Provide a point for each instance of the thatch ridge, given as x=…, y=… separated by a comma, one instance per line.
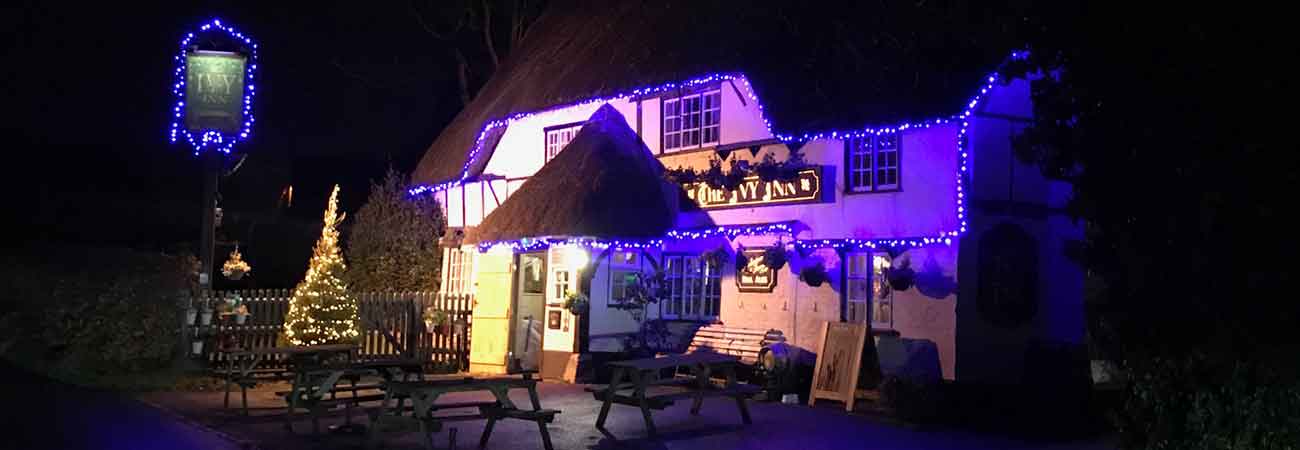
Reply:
x=891, y=63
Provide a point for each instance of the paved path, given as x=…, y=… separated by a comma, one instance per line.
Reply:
x=776, y=426
x=39, y=413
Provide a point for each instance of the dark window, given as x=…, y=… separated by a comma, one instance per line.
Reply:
x=1008, y=276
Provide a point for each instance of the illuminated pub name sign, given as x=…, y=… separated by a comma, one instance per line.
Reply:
x=214, y=91
x=806, y=187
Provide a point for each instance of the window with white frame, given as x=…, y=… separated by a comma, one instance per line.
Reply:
x=558, y=137
x=872, y=163
x=459, y=263
x=693, y=120
x=694, y=288
x=561, y=286
x=622, y=265
x=869, y=298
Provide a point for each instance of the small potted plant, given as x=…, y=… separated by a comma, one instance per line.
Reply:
x=439, y=322
x=241, y=314
x=205, y=315
x=576, y=303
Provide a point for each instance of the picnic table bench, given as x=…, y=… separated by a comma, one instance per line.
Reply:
x=642, y=374
x=429, y=415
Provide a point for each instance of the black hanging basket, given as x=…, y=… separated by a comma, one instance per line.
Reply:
x=814, y=274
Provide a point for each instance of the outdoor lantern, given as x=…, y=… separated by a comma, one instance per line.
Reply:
x=576, y=257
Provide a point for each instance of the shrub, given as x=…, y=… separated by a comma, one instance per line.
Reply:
x=83, y=314
x=393, y=243
x=1191, y=404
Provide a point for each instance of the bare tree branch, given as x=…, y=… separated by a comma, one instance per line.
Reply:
x=487, y=34
x=462, y=76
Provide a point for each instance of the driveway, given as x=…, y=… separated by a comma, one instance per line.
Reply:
x=45, y=414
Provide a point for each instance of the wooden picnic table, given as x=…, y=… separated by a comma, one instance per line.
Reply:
x=426, y=418
x=242, y=364
x=641, y=374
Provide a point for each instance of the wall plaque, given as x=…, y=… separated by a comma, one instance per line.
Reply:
x=756, y=276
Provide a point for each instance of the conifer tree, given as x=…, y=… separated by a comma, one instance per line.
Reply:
x=321, y=310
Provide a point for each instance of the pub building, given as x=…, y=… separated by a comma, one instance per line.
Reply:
x=919, y=222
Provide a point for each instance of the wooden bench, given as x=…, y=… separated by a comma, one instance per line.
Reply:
x=744, y=343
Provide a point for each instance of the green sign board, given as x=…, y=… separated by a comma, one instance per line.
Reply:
x=214, y=91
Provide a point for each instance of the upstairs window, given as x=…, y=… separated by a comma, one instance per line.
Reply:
x=692, y=121
x=872, y=163
x=559, y=136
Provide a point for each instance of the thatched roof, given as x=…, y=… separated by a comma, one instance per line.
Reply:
x=604, y=184
x=815, y=68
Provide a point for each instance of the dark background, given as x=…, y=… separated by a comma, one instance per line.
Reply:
x=344, y=92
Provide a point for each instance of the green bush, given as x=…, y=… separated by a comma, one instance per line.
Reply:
x=85, y=315
x=1193, y=404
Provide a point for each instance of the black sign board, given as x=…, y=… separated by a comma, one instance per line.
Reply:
x=756, y=276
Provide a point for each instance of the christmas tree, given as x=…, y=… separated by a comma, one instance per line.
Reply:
x=322, y=311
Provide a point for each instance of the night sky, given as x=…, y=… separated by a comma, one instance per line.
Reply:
x=344, y=91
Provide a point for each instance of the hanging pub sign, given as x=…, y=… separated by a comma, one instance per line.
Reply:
x=213, y=88
x=805, y=187
x=755, y=276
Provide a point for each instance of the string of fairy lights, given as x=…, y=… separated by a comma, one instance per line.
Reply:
x=943, y=237
x=215, y=140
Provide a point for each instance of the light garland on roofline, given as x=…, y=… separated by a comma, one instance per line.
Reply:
x=728, y=231
x=943, y=237
x=212, y=139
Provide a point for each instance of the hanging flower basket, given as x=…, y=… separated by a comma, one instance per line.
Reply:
x=774, y=257
x=716, y=257
x=235, y=268
x=814, y=274
x=577, y=303
x=901, y=277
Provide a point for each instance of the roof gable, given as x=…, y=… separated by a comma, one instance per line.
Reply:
x=604, y=184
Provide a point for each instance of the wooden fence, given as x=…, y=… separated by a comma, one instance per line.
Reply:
x=393, y=325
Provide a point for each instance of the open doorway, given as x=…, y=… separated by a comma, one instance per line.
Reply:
x=530, y=305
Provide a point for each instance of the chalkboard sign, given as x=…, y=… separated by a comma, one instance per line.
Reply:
x=839, y=357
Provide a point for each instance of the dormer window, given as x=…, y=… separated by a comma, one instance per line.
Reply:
x=692, y=121
x=559, y=136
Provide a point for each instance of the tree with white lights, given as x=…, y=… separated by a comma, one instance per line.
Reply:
x=322, y=311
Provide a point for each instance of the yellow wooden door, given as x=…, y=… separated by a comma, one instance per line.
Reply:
x=491, y=339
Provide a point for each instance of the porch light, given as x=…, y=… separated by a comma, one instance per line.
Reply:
x=576, y=257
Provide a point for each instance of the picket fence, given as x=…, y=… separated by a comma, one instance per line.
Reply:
x=400, y=314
